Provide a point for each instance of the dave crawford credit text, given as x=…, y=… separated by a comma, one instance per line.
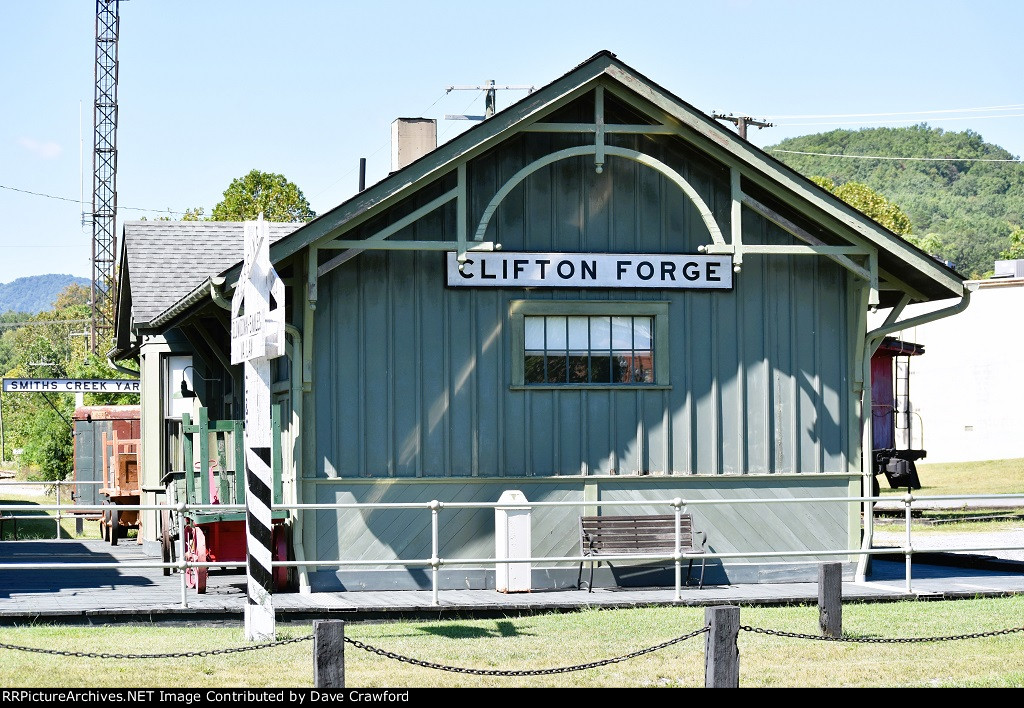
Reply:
x=663, y=271
x=204, y=696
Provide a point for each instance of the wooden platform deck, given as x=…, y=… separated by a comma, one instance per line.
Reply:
x=104, y=596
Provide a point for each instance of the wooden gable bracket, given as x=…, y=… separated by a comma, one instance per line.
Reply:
x=844, y=255
x=860, y=258
x=636, y=156
x=600, y=151
x=380, y=239
x=716, y=146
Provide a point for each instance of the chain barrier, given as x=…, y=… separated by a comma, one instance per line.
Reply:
x=524, y=672
x=167, y=655
x=879, y=640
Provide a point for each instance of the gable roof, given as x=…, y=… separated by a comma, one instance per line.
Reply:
x=928, y=277
x=924, y=274
x=163, y=262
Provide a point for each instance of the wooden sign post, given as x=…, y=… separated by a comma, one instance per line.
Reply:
x=257, y=336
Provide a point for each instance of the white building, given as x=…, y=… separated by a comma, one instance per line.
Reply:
x=967, y=390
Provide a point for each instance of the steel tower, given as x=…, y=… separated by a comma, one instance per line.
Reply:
x=104, y=175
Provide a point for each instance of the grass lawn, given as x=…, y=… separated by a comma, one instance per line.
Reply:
x=46, y=526
x=992, y=477
x=545, y=641
x=939, y=522
x=951, y=478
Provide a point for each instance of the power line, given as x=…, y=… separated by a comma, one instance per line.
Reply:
x=80, y=202
x=331, y=185
x=887, y=157
x=43, y=322
x=742, y=122
x=1008, y=107
x=903, y=120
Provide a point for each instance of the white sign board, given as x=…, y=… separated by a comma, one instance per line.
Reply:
x=662, y=271
x=259, y=331
x=72, y=385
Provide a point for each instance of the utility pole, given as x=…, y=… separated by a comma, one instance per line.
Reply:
x=490, y=100
x=742, y=122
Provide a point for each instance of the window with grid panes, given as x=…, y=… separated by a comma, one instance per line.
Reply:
x=595, y=349
x=589, y=344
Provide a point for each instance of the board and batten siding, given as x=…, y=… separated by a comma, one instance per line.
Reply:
x=413, y=378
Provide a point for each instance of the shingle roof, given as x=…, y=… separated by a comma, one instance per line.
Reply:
x=168, y=259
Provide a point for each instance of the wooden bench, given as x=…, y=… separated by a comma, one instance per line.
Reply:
x=653, y=535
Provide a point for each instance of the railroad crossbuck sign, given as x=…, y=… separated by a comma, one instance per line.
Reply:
x=257, y=336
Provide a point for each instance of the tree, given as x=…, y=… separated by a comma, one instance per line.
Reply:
x=71, y=296
x=273, y=195
x=932, y=243
x=864, y=199
x=972, y=204
x=1016, y=248
x=50, y=345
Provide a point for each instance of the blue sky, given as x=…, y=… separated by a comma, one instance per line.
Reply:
x=210, y=90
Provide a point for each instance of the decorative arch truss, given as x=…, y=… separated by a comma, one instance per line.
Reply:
x=860, y=257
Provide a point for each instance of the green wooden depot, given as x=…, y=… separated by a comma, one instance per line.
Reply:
x=648, y=307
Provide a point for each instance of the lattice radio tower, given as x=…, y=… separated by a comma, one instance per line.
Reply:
x=104, y=174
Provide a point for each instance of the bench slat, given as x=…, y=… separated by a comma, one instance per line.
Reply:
x=638, y=538
x=652, y=534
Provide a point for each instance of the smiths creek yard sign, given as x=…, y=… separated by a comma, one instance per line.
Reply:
x=72, y=385
x=662, y=271
x=257, y=336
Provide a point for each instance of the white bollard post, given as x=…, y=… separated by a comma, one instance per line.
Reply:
x=512, y=539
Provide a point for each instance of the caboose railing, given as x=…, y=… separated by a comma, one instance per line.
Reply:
x=213, y=453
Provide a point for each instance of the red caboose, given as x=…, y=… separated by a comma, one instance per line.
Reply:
x=897, y=441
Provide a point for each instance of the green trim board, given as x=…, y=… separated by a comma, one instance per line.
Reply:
x=653, y=479
x=606, y=71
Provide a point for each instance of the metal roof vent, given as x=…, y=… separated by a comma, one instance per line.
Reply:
x=1009, y=269
x=411, y=139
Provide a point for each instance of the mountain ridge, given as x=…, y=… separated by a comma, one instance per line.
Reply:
x=32, y=294
x=962, y=210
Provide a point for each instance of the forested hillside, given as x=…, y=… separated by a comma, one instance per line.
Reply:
x=961, y=210
x=49, y=344
x=35, y=293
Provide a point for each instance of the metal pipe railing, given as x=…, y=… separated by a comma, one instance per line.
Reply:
x=57, y=483
x=436, y=561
